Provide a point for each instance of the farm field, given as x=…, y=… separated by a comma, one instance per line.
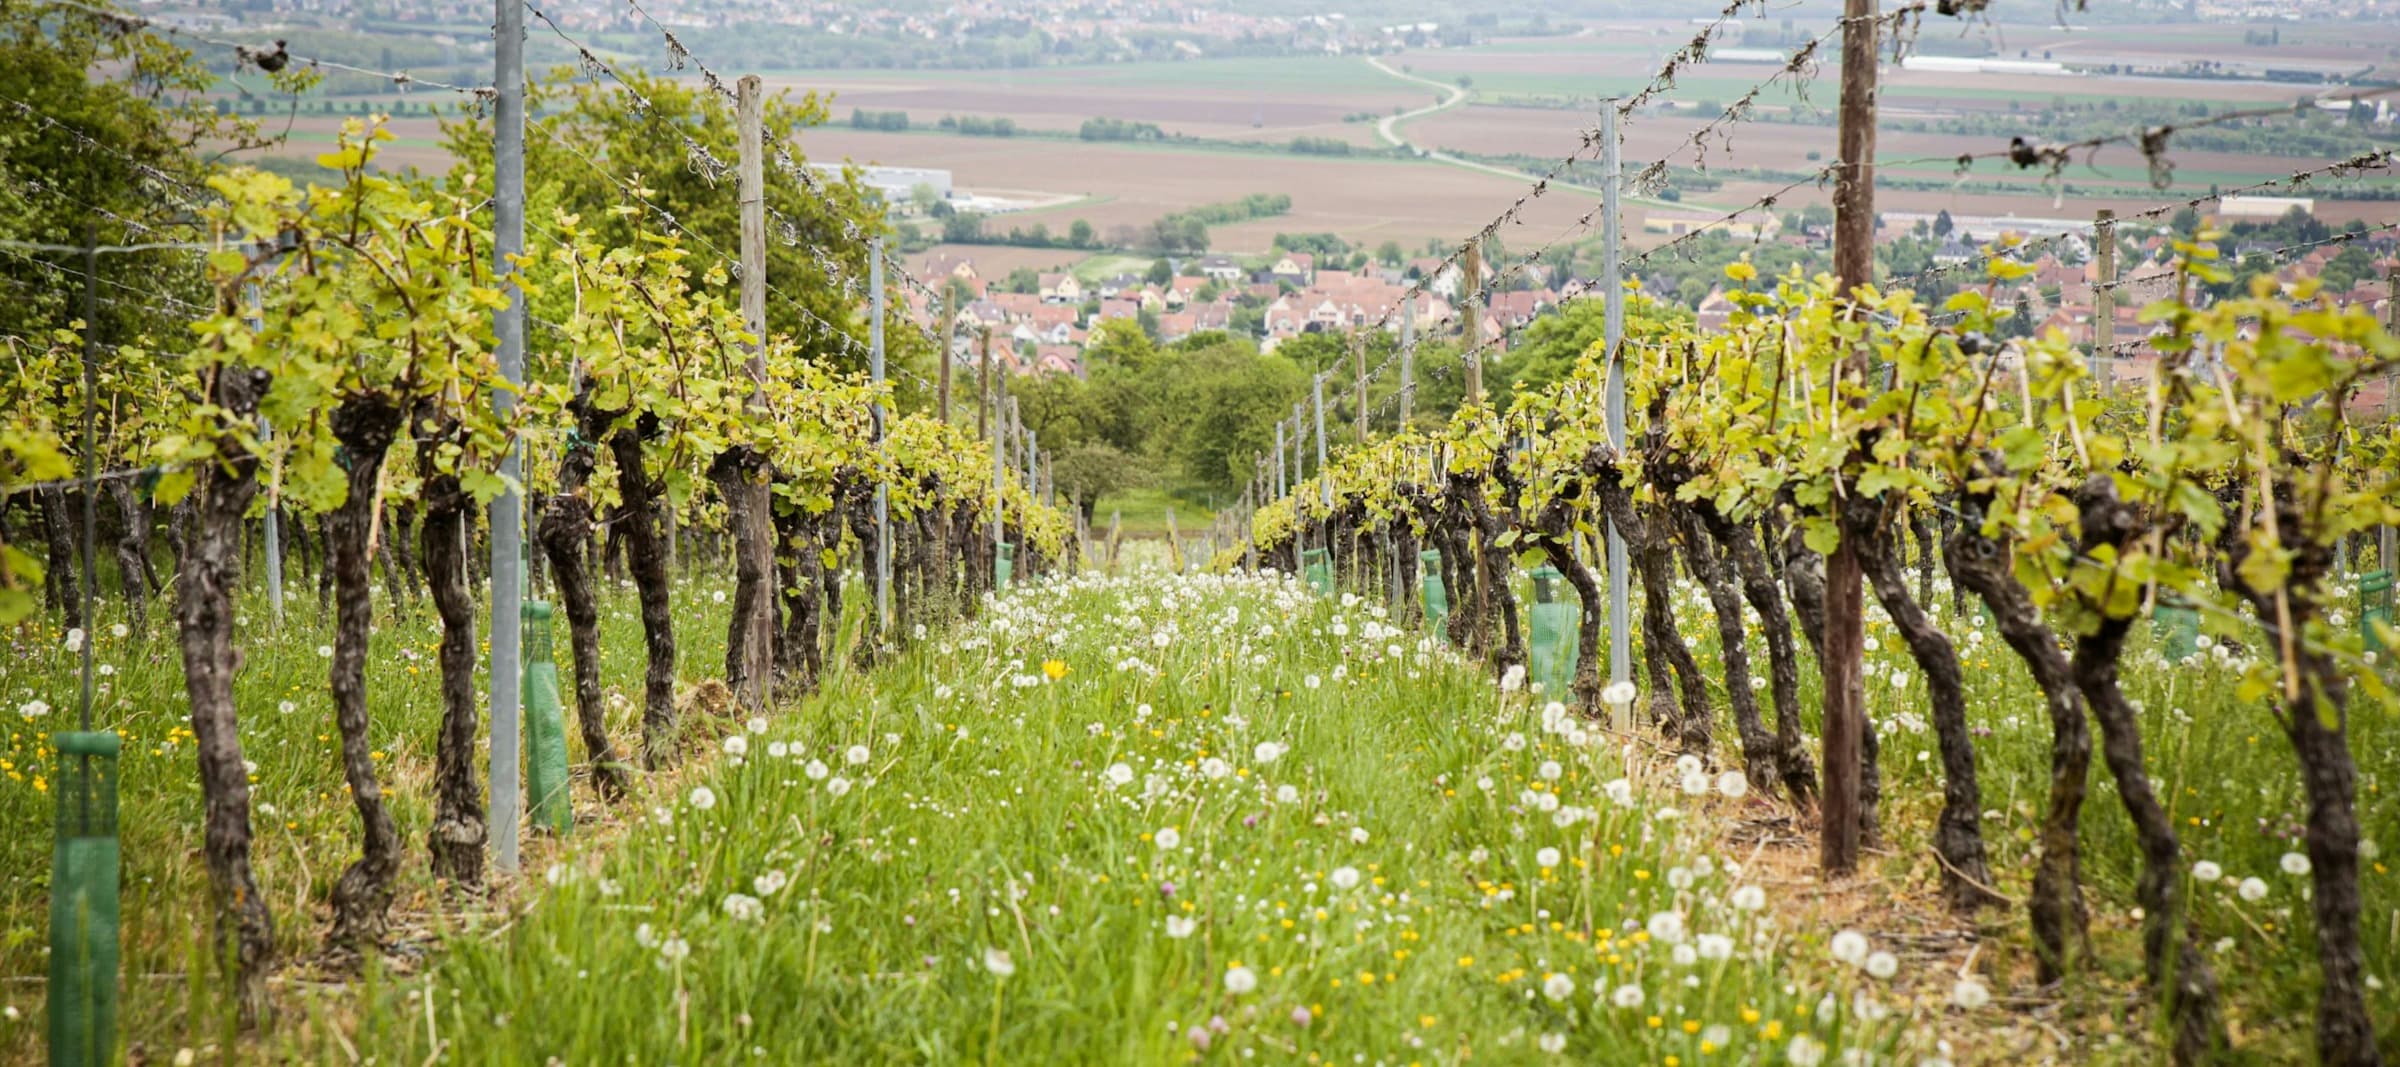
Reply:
x=1230, y=99
x=1368, y=200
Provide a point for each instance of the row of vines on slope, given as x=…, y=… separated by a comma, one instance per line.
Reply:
x=348, y=373
x=2226, y=485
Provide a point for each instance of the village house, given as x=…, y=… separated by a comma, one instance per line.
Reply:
x=1221, y=268
x=1297, y=269
x=939, y=266
x=1061, y=289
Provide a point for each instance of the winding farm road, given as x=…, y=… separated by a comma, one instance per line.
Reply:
x=1388, y=128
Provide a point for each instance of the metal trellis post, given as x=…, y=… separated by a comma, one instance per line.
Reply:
x=507, y=510
x=1612, y=291
x=883, y=498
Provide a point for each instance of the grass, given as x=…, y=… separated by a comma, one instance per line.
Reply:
x=982, y=818
x=943, y=862
x=2229, y=782
x=1144, y=512
x=303, y=824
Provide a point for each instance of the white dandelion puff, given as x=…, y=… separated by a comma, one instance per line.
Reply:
x=1240, y=980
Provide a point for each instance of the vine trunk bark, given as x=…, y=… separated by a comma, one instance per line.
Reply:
x=362, y=897
x=209, y=572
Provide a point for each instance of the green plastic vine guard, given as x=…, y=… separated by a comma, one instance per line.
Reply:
x=2176, y=626
x=2374, y=606
x=1430, y=589
x=83, y=901
x=1554, y=623
x=1005, y=567
x=1317, y=568
x=549, y=800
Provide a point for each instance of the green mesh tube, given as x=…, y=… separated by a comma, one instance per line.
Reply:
x=83, y=902
x=2176, y=626
x=1316, y=567
x=1553, y=621
x=2374, y=608
x=1432, y=592
x=547, y=795
x=1005, y=567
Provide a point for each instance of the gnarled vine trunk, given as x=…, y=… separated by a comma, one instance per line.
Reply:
x=458, y=834
x=750, y=631
x=1708, y=565
x=58, y=578
x=1792, y=762
x=362, y=898
x=2316, y=718
x=2172, y=964
x=209, y=572
x=1666, y=659
x=566, y=536
x=2056, y=907
x=1958, y=831
x=134, y=575
x=646, y=555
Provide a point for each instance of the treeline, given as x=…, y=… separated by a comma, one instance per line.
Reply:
x=1253, y=206
x=967, y=229
x=978, y=126
x=1120, y=130
x=1171, y=235
x=1320, y=146
x=1181, y=233
x=1315, y=244
x=897, y=122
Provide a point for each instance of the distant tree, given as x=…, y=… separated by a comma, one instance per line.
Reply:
x=1315, y=353
x=1088, y=470
x=1218, y=410
x=924, y=196
x=1160, y=273
x=1080, y=234
x=2348, y=267
x=1943, y=224
x=1389, y=254
x=1022, y=280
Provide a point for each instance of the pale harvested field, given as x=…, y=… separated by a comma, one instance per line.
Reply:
x=1620, y=55
x=1780, y=145
x=1061, y=99
x=1364, y=200
x=1588, y=74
